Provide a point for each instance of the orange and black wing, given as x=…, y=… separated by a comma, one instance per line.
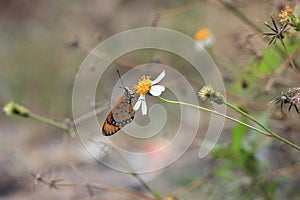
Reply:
x=121, y=115
x=108, y=129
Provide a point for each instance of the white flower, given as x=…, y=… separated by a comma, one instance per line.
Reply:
x=204, y=38
x=146, y=86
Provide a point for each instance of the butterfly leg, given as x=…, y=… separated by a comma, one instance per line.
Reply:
x=291, y=106
x=296, y=108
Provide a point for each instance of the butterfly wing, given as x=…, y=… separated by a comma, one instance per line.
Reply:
x=121, y=114
x=108, y=129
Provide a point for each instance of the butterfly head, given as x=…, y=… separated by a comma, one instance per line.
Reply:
x=128, y=94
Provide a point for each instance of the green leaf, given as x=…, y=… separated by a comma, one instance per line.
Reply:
x=270, y=61
x=224, y=172
x=271, y=189
x=157, y=194
x=220, y=151
x=238, y=134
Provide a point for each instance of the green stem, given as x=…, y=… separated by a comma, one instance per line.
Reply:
x=247, y=115
x=263, y=126
x=215, y=112
x=15, y=109
x=155, y=194
x=270, y=132
x=52, y=123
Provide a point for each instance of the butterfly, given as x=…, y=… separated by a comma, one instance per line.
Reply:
x=121, y=114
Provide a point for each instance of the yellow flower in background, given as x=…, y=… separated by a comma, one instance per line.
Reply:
x=204, y=38
x=289, y=10
x=202, y=34
x=285, y=15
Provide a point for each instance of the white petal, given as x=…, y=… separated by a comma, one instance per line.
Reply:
x=156, y=90
x=159, y=78
x=139, y=101
x=137, y=105
x=142, y=97
x=199, y=47
x=144, y=108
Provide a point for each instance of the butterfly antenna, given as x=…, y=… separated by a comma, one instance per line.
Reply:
x=120, y=78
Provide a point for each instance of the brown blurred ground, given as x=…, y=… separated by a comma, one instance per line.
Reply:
x=37, y=69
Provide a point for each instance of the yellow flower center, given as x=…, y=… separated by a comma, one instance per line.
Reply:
x=202, y=34
x=144, y=85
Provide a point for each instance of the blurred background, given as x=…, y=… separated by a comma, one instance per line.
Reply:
x=42, y=46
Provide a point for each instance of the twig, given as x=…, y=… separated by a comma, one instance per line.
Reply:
x=58, y=183
x=90, y=114
x=134, y=174
x=191, y=186
x=102, y=55
x=279, y=71
x=75, y=169
x=276, y=73
x=291, y=60
x=174, y=11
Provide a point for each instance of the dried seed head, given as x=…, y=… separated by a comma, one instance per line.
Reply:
x=13, y=108
x=292, y=98
x=207, y=92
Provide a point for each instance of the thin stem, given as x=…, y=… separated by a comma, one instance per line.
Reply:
x=290, y=60
x=134, y=174
x=89, y=184
x=280, y=70
x=270, y=132
x=240, y=15
x=247, y=115
x=12, y=108
x=173, y=11
x=215, y=112
x=145, y=185
x=119, y=190
x=192, y=185
x=276, y=73
x=52, y=123
x=263, y=126
x=99, y=186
